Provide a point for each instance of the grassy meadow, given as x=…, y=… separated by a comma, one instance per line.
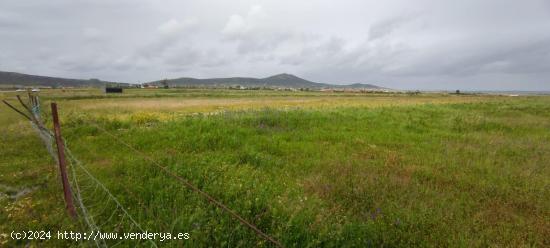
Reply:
x=311, y=169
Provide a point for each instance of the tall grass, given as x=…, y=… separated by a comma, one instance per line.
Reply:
x=445, y=175
x=464, y=174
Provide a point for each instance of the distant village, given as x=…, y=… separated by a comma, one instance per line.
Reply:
x=119, y=88
x=275, y=88
x=113, y=86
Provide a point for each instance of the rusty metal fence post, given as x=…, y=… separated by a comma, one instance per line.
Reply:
x=62, y=162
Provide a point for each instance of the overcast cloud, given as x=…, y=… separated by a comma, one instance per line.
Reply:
x=422, y=44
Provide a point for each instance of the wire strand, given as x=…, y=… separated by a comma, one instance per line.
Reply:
x=194, y=188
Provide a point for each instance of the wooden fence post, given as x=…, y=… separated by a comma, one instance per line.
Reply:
x=62, y=162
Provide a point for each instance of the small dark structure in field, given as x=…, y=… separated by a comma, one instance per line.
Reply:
x=113, y=90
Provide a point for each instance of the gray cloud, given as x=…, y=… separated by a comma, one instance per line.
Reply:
x=386, y=27
x=425, y=44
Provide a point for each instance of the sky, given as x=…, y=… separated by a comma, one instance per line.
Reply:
x=401, y=44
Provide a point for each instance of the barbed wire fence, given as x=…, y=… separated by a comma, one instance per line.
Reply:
x=98, y=209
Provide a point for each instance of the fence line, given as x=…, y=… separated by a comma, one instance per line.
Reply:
x=110, y=195
x=194, y=188
x=47, y=138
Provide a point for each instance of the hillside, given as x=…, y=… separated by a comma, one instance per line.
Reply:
x=15, y=79
x=288, y=80
x=363, y=86
x=283, y=80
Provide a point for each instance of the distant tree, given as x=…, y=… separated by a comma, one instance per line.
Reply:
x=457, y=92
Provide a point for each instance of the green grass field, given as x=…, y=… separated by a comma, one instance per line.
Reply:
x=311, y=169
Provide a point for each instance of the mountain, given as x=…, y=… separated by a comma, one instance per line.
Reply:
x=283, y=80
x=291, y=81
x=363, y=86
x=211, y=82
x=18, y=79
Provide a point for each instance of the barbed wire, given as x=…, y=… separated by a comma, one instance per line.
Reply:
x=187, y=183
x=77, y=180
x=111, y=197
x=84, y=211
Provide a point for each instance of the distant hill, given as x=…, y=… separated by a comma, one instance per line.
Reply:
x=15, y=79
x=283, y=80
x=363, y=86
x=291, y=81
